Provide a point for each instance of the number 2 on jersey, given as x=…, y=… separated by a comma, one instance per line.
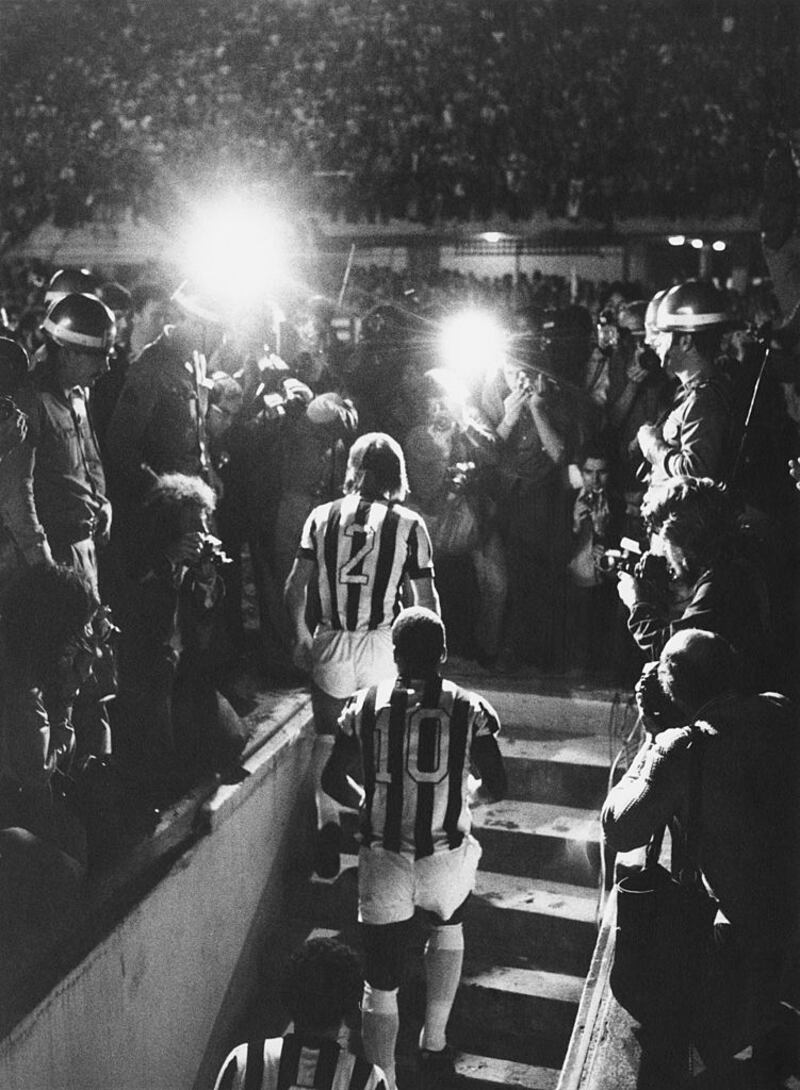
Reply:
x=347, y=574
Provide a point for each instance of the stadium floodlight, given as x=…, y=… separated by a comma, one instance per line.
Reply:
x=472, y=343
x=719, y=246
x=236, y=250
x=697, y=244
x=676, y=240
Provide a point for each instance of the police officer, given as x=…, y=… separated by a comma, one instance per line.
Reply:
x=693, y=439
x=67, y=480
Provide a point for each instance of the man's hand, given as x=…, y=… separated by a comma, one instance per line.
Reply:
x=512, y=406
x=12, y=432
x=648, y=437
x=583, y=508
x=628, y=589
x=794, y=471
x=102, y=532
x=301, y=653
x=634, y=372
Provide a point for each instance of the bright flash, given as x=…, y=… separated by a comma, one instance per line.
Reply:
x=237, y=251
x=472, y=343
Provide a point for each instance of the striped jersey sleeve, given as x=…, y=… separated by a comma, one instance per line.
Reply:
x=362, y=551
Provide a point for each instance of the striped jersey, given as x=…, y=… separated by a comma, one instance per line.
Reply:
x=416, y=756
x=362, y=550
x=283, y=1063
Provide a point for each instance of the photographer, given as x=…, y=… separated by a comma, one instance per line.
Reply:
x=533, y=407
x=449, y=459
x=698, y=575
x=596, y=629
x=639, y=392
x=697, y=709
x=171, y=725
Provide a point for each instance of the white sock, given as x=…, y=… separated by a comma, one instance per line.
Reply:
x=380, y=1022
x=443, y=960
x=327, y=808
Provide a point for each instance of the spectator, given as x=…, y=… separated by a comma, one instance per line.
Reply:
x=149, y=310
x=746, y=748
x=778, y=214
x=355, y=553
x=109, y=386
x=321, y=990
x=159, y=423
x=406, y=862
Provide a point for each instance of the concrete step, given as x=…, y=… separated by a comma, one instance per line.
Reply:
x=541, y=840
x=556, y=766
x=487, y=1073
x=533, y=923
x=568, y=712
x=522, y=1015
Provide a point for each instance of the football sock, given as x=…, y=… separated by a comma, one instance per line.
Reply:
x=380, y=1022
x=327, y=808
x=444, y=957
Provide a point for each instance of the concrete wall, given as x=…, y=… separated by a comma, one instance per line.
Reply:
x=153, y=1005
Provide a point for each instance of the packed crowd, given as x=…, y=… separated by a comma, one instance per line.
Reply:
x=374, y=111
x=165, y=463
x=596, y=478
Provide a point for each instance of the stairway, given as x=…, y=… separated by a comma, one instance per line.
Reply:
x=530, y=926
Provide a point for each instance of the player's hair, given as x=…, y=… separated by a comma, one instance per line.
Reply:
x=322, y=985
x=376, y=468
x=418, y=636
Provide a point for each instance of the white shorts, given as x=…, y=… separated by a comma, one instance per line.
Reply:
x=346, y=661
x=391, y=886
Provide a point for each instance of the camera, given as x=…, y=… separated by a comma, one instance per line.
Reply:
x=211, y=549
x=624, y=559
x=654, y=704
x=607, y=331
x=648, y=360
x=461, y=474
x=524, y=384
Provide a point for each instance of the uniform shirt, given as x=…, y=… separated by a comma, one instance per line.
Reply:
x=362, y=550
x=416, y=752
x=69, y=485
x=281, y=1063
x=697, y=432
